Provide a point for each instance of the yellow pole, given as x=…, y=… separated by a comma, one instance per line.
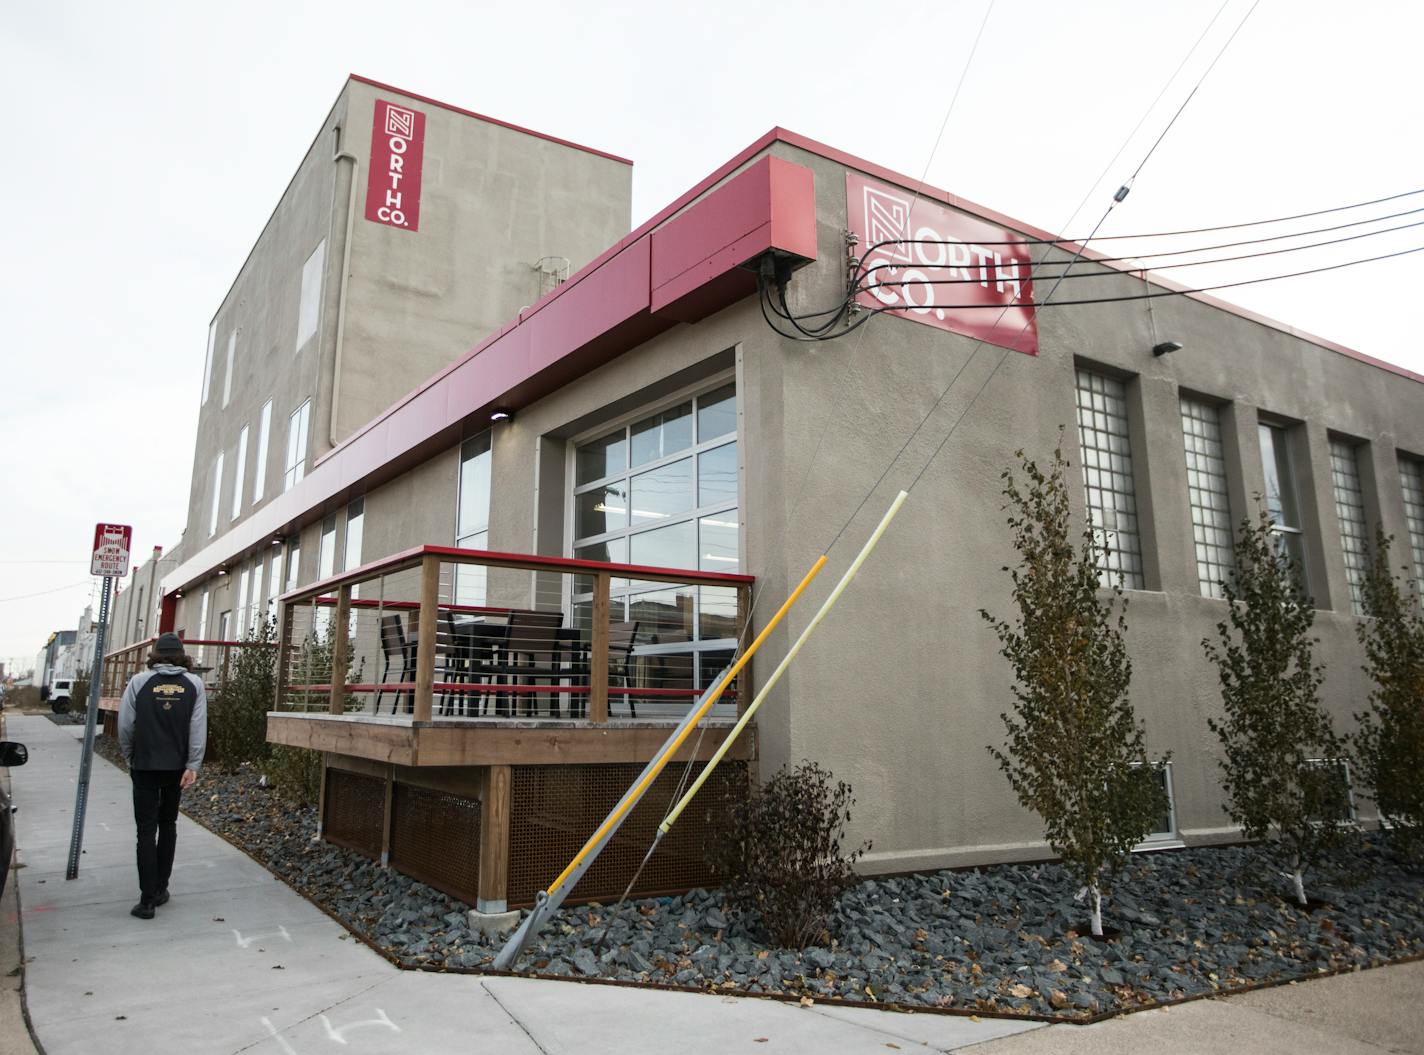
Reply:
x=781, y=667
x=616, y=816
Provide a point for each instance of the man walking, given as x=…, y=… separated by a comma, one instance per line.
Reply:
x=163, y=731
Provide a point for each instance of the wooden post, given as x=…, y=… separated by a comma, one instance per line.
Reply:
x=598, y=652
x=493, y=894
x=284, y=646
x=340, y=644
x=744, y=679
x=387, y=818
x=428, y=626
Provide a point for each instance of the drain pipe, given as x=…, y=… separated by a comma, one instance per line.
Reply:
x=342, y=155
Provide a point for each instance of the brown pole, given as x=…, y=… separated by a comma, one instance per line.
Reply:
x=493, y=894
x=340, y=644
x=427, y=627
x=598, y=652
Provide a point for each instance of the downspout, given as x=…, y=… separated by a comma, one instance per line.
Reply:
x=342, y=155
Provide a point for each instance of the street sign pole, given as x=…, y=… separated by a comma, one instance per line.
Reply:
x=110, y=558
x=81, y=794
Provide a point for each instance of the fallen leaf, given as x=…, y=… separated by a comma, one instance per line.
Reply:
x=121, y=1018
x=278, y=967
x=760, y=1040
x=1021, y=991
x=1057, y=965
x=1058, y=999
x=895, y=1046
x=219, y=919
x=806, y=1001
x=974, y=1018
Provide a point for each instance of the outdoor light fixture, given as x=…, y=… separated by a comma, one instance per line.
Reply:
x=501, y=415
x=1166, y=347
x=222, y=571
x=276, y=542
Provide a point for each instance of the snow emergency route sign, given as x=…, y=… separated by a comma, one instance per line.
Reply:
x=111, y=550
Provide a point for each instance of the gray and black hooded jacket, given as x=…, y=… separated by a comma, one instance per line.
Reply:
x=163, y=720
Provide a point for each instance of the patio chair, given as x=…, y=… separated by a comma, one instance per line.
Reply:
x=396, y=651
x=532, y=651
x=621, y=637
x=482, y=646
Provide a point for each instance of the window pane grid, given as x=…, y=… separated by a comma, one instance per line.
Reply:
x=1107, y=477
x=1350, y=509
x=1207, y=496
x=665, y=497
x=1411, y=473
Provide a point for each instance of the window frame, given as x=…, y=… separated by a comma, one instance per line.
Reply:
x=1170, y=840
x=318, y=272
x=1283, y=447
x=239, y=479
x=1411, y=488
x=216, y=513
x=1347, y=490
x=1205, y=517
x=231, y=359
x=295, y=471
x=626, y=594
x=1117, y=561
x=259, y=468
x=208, y=362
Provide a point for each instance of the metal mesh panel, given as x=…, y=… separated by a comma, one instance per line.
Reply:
x=435, y=837
x=556, y=808
x=1207, y=494
x=1350, y=509
x=355, y=809
x=1411, y=474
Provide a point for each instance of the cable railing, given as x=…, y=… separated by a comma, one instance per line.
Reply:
x=513, y=638
x=212, y=661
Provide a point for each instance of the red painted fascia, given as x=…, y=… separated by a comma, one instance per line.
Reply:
x=487, y=119
x=613, y=304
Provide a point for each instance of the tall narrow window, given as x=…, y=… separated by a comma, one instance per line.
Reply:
x=1207, y=495
x=325, y=566
x=294, y=563
x=217, y=494
x=472, y=516
x=1350, y=511
x=259, y=467
x=203, y=617
x=296, y=446
x=227, y=377
x=208, y=360
x=1411, y=475
x=1282, y=504
x=355, y=528
x=1107, y=478
x=243, y=578
x=225, y=625
x=309, y=310
x=664, y=491
x=274, y=583
x=240, y=473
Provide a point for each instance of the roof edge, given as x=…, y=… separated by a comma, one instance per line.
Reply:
x=487, y=119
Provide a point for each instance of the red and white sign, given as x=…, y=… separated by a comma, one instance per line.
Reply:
x=393, y=179
x=929, y=263
x=111, y=550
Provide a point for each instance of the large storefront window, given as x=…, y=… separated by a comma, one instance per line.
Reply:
x=662, y=491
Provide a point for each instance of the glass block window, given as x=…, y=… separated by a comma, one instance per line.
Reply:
x=1411, y=474
x=1107, y=478
x=1207, y=495
x=662, y=491
x=1350, y=511
x=1282, y=504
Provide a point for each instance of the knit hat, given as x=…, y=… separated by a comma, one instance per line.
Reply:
x=169, y=644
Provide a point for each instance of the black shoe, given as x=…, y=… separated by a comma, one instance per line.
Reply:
x=161, y=898
x=143, y=910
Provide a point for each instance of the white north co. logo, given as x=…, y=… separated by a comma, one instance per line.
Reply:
x=400, y=122
x=887, y=220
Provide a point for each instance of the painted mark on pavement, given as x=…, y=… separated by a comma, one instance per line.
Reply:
x=243, y=943
x=339, y=1035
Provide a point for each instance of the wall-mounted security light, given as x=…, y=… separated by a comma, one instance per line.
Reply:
x=501, y=415
x=276, y=542
x=222, y=571
x=1166, y=348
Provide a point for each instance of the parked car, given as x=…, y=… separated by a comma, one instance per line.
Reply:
x=11, y=754
x=59, y=695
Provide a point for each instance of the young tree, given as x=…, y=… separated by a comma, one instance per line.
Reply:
x=1075, y=751
x=1274, y=733
x=1389, y=743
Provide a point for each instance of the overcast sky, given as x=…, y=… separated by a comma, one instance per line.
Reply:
x=148, y=144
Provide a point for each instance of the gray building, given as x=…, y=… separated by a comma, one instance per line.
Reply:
x=648, y=413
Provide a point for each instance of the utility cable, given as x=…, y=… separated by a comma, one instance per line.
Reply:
x=1118, y=197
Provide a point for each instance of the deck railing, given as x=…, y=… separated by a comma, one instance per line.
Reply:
x=516, y=637
x=212, y=661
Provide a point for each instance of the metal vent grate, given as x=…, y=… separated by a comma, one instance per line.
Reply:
x=555, y=809
x=355, y=809
x=435, y=838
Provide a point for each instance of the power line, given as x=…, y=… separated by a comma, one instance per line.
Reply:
x=1139, y=256
x=42, y=593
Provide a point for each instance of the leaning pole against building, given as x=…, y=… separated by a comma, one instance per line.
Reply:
x=549, y=900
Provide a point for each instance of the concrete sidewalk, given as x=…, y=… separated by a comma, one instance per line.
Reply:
x=239, y=963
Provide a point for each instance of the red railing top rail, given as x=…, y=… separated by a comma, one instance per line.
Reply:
x=412, y=558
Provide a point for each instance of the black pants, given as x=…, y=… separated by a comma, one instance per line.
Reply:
x=155, y=800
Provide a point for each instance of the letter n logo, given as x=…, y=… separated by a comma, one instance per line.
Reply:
x=887, y=219
x=399, y=122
